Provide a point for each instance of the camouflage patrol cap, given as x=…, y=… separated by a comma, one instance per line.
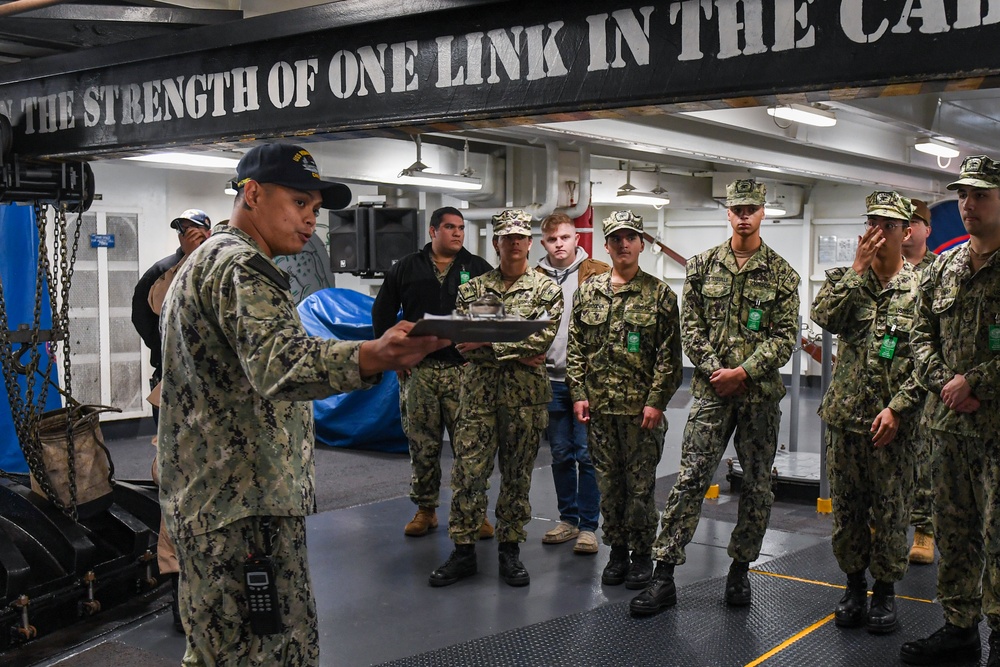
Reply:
x=745, y=192
x=622, y=220
x=921, y=211
x=889, y=205
x=978, y=171
x=512, y=221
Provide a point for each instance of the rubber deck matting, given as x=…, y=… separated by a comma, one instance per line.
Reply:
x=790, y=623
x=116, y=654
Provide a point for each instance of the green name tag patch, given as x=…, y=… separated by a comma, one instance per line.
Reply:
x=995, y=338
x=633, y=341
x=463, y=276
x=888, y=347
x=754, y=318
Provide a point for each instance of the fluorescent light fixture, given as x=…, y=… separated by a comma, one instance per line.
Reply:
x=189, y=160
x=774, y=209
x=429, y=179
x=417, y=174
x=230, y=190
x=628, y=194
x=801, y=113
x=937, y=147
x=775, y=206
x=650, y=198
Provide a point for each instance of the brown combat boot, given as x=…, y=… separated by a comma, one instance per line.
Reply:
x=486, y=530
x=423, y=520
x=922, y=551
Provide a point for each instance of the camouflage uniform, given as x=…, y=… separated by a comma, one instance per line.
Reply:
x=618, y=383
x=866, y=481
x=957, y=330
x=428, y=404
x=718, y=297
x=922, y=515
x=428, y=397
x=236, y=443
x=503, y=410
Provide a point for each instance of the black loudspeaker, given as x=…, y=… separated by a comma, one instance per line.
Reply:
x=395, y=233
x=349, y=240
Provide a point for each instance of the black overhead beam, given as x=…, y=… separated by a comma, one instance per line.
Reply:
x=348, y=67
x=181, y=16
x=69, y=36
x=251, y=30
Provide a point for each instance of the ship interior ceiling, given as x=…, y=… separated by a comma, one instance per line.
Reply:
x=871, y=144
x=689, y=148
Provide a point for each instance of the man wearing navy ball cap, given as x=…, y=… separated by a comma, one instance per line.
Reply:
x=236, y=430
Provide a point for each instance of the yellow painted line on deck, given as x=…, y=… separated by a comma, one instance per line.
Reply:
x=818, y=624
x=799, y=579
x=791, y=640
x=828, y=585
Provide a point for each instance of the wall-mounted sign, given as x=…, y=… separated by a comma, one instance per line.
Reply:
x=102, y=240
x=497, y=60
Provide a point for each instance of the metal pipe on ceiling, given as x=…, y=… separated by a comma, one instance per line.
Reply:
x=22, y=6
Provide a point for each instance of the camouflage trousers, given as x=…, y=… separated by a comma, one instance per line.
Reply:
x=625, y=457
x=428, y=404
x=213, y=602
x=511, y=436
x=966, y=473
x=706, y=435
x=922, y=515
x=870, y=484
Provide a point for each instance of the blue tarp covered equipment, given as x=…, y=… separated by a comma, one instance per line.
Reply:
x=18, y=268
x=364, y=419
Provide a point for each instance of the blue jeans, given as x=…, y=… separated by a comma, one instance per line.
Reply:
x=576, y=483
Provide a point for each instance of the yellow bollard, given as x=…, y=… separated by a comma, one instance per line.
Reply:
x=824, y=506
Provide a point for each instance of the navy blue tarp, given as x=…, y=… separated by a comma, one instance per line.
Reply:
x=18, y=266
x=364, y=419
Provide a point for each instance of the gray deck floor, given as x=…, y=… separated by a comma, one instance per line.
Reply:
x=371, y=581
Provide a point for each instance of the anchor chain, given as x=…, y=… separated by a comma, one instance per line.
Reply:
x=26, y=412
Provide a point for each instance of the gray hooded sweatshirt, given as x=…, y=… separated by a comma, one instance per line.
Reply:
x=568, y=279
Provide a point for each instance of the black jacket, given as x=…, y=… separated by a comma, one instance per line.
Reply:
x=412, y=284
x=146, y=322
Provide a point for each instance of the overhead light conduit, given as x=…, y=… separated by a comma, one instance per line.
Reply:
x=550, y=204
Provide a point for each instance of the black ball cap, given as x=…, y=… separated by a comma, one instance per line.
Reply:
x=293, y=167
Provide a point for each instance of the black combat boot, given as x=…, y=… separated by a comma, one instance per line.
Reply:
x=460, y=564
x=617, y=567
x=639, y=572
x=175, y=607
x=659, y=594
x=882, y=613
x=852, y=609
x=993, y=660
x=511, y=569
x=738, y=592
x=949, y=644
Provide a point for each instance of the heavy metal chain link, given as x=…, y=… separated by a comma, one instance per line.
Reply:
x=27, y=412
x=66, y=266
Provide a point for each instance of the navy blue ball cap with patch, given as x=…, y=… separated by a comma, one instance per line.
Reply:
x=293, y=167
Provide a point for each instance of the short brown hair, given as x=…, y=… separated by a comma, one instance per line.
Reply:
x=552, y=221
